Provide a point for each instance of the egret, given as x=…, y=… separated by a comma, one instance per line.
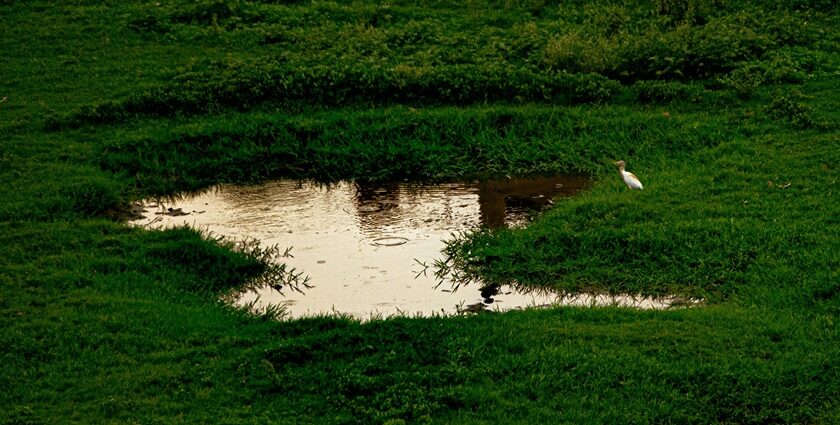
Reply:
x=628, y=177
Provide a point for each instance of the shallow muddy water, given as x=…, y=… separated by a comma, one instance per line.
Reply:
x=362, y=245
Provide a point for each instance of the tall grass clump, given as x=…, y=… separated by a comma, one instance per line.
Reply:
x=238, y=265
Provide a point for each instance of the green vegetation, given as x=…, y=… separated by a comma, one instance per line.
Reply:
x=727, y=111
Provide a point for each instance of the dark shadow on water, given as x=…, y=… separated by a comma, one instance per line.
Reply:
x=503, y=200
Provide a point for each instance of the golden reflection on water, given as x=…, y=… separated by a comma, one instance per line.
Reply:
x=361, y=244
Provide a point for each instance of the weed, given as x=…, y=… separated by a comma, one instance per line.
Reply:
x=788, y=106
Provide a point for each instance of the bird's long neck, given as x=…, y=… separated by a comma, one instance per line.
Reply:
x=620, y=168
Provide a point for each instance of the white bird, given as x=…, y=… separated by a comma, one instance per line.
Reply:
x=628, y=177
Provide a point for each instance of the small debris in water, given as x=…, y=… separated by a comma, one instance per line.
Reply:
x=136, y=211
x=472, y=308
x=174, y=212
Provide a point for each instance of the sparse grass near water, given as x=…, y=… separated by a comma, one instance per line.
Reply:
x=108, y=102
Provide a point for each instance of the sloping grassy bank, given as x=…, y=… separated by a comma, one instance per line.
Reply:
x=102, y=103
x=723, y=221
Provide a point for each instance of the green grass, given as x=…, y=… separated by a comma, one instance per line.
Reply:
x=106, y=102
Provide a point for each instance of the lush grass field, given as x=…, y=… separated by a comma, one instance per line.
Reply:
x=727, y=111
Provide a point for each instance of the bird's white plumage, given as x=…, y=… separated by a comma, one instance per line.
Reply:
x=629, y=178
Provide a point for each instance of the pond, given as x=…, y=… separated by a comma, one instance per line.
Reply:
x=363, y=246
